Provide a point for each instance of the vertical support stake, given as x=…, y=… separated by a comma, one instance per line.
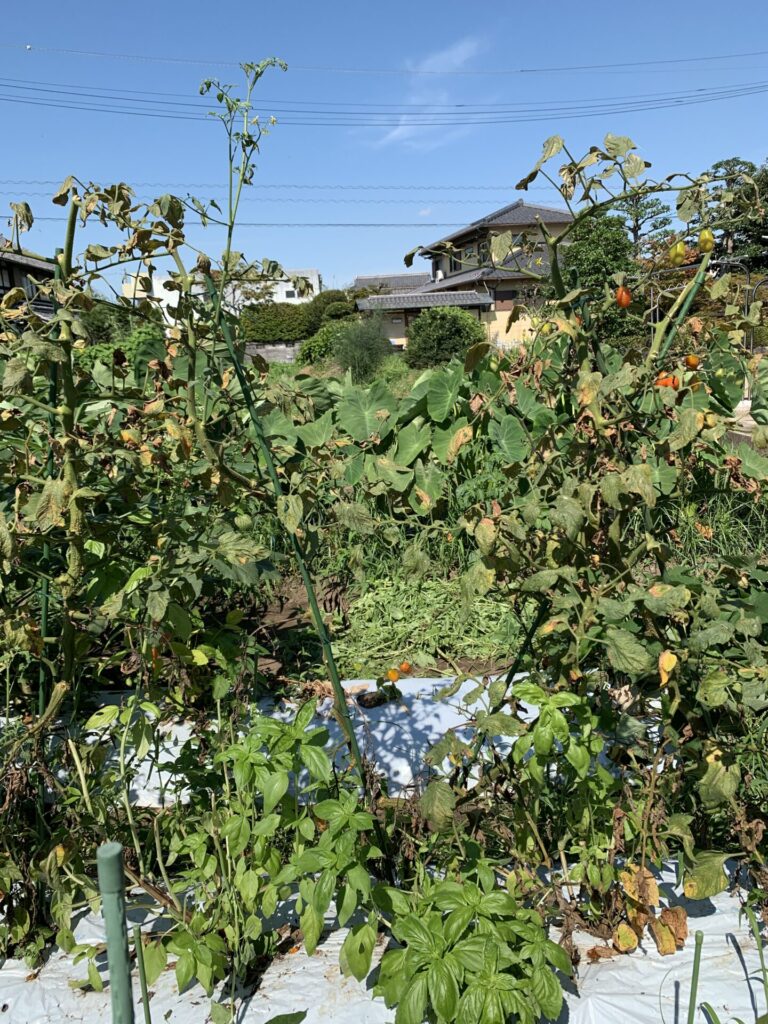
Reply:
x=109, y=861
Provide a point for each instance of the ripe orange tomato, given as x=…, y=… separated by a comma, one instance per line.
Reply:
x=405, y=667
x=692, y=361
x=667, y=380
x=393, y=675
x=623, y=297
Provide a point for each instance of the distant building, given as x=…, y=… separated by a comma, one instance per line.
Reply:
x=464, y=275
x=291, y=291
x=385, y=284
x=20, y=269
x=301, y=286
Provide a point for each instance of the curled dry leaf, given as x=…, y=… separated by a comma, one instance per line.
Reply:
x=663, y=936
x=640, y=885
x=600, y=953
x=676, y=919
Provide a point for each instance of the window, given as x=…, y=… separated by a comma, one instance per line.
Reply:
x=5, y=278
x=290, y=293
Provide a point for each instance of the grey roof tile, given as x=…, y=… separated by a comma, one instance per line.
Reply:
x=422, y=300
x=392, y=282
x=515, y=215
x=517, y=269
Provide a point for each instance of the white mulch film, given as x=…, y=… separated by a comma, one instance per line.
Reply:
x=641, y=988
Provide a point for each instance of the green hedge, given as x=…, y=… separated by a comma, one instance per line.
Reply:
x=436, y=335
x=274, y=322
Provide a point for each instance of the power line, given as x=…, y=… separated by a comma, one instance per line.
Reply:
x=323, y=224
x=661, y=63
x=321, y=200
x=674, y=100
x=217, y=184
x=340, y=107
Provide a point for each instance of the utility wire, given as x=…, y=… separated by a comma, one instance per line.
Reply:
x=660, y=63
x=340, y=107
x=217, y=184
x=320, y=200
x=324, y=121
x=325, y=224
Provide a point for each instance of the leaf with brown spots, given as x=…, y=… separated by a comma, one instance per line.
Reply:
x=640, y=885
x=676, y=919
x=663, y=936
x=600, y=953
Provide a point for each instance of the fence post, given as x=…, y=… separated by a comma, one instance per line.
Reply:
x=109, y=861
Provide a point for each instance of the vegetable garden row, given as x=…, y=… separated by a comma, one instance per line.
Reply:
x=147, y=506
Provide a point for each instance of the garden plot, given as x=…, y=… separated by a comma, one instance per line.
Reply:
x=641, y=987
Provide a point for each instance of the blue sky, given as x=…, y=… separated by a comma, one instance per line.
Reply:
x=431, y=54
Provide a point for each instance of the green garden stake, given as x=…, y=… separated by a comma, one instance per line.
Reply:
x=109, y=861
x=699, y=940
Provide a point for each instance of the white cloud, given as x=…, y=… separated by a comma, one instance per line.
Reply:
x=428, y=91
x=452, y=58
x=425, y=212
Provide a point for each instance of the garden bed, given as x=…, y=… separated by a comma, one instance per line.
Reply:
x=397, y=735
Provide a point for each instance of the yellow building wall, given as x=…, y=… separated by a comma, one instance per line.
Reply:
x=496, y=324
x=394, y=327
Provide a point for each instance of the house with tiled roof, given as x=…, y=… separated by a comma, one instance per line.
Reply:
x=20, y=269
x=386, y=284
x=463, y=273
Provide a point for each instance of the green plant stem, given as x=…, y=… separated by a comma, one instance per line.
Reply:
x=139, y=949
x=755, y=927
x=699, y=939
x=67, y=417
x=127, y=800
x=340, y=697
x=660, y=347
x=81, y=775
x=161, y=862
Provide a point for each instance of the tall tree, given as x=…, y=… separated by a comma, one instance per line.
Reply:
x=742, y=194
x=647, y=219
x=599, y=248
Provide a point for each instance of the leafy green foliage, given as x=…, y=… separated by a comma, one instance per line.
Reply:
x=338, y=310
x=279, y=322
x=320, y=346
x=439, y=334
x=137, y=540
x=361, y=347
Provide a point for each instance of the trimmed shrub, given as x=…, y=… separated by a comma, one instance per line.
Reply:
x=321, y=345
x=338, y=310
x=323, y=299
x=275, y=322
x=361, y=347
x=439, y=334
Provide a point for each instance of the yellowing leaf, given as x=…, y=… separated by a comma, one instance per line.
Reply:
x=459, y=439
x=588, y=386
x=663, y=936
x=667, y=663
x=154, y=407
x=624, y=938
x=676, y=919
x=640, y=886
x=485, y=535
